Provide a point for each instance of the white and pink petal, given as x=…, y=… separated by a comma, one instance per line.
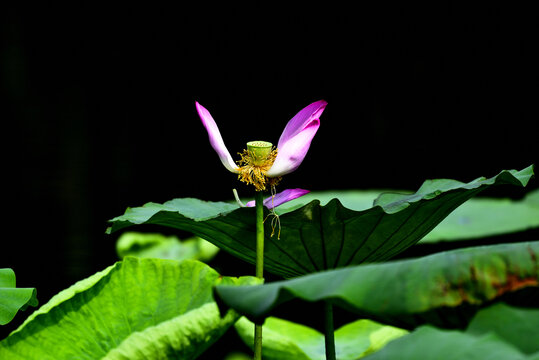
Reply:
x=281, y=198
x=216, y=140
x=290, y=155
x=296, y=139
x=301, y=120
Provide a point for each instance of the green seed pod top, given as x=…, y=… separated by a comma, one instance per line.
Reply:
x=259, y=151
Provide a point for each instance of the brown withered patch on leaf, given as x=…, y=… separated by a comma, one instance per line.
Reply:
x=470, y=294
x=513, y=282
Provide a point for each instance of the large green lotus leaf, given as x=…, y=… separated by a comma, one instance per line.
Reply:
x=135, y=309
x=499, y=332
x=286, y=340
x=13, y=299
x=482, y=217
x=164, y=247
x=444, y=289
x=315, y=237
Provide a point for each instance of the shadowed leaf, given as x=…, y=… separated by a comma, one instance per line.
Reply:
x=499, y=332
x=516, y=326
x=443, y=289
x=484, y=217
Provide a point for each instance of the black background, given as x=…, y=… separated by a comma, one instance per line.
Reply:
x=99, y=103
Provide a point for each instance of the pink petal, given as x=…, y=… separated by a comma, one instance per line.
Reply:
x=296, y=139
x=281, y=198
x=302, y=119
x=216, y=140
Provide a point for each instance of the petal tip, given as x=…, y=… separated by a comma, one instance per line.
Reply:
x=216, y=141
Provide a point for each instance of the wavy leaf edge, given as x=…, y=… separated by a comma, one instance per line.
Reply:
x=514, y=177
x=176, y=325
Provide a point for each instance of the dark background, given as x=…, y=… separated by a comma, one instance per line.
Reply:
x=100, y=115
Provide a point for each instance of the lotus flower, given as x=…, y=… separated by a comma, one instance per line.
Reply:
x=261, y=164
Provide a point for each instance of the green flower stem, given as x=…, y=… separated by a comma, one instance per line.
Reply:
x=259, y=205
x=329, y=334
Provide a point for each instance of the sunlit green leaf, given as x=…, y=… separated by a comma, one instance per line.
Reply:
x=13, y=299
x=444, y=289
x=315, y=237
x=164, y=247
x=238, y=356
x=135, y=309
x=285, y=340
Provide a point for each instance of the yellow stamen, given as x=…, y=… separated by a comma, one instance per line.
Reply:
x=252, y=169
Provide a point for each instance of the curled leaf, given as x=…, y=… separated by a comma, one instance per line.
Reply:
x=13, y=299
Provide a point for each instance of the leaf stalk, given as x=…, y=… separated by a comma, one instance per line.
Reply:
x=259, y=271
x=329, y=332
